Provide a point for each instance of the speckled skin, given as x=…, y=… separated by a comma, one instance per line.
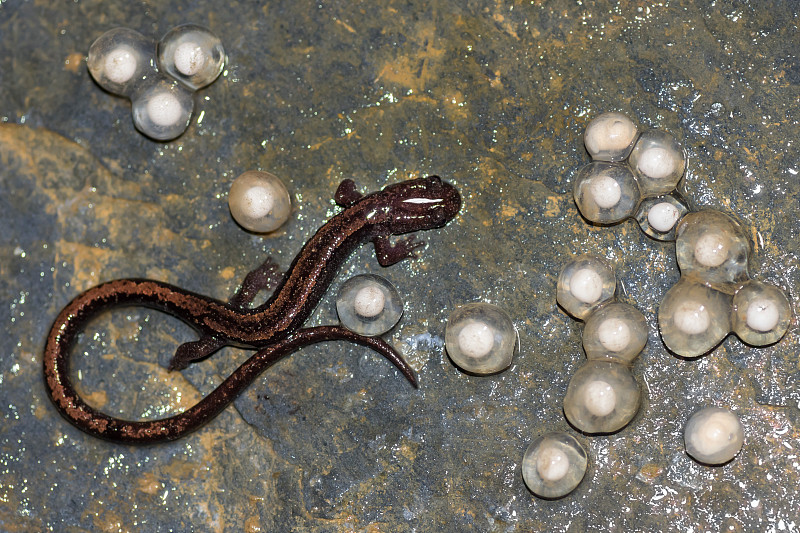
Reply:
x=275, y=326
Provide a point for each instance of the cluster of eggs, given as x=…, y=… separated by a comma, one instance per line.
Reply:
x=715, y=294
x=632, y=174
x=602, y=396
x=159, y=79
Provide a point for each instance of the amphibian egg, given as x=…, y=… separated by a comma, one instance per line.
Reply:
x=606, y=192
x=712, y=245
x=713, y=435
x=585, y=283
x=610, y=137
x=369, y=305
x=761, y=313
x=602, y=397
x=191, y=54
x=162, y=110
x=554, y=465
x=658, y=160
x=615, y=332
x=659, y=216
x=480, y=338
x=259, y=201
x=694, y=317
x=119, y=59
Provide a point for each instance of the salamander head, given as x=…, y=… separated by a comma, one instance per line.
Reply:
x=420, y=204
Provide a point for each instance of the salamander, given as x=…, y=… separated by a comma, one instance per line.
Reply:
x=273, y=328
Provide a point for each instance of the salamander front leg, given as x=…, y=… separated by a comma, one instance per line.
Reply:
x=389, y=254
x=265, y=277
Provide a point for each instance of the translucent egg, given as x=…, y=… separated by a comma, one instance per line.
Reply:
x=480, y=338
x=659, y=216
x=606, y=192
x=369, y=305
x=191, y=54
x=713, y=435
x=119, y=59
x=554, y=465
x=615, y=332
x=602, y=397
x=585, y=283
x=658, y=160
x=162, y=109
x=610, y=137
x=712, y=245
x=694, y=318
x=259, y=201
x=761, y=313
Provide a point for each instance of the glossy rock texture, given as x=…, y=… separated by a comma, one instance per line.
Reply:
x=492, y=96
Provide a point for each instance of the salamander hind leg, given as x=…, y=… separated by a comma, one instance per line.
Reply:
x=265, y=277
x=389, y=254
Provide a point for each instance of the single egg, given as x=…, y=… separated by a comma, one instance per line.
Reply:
x=259, y=201
x=713, y=435
x=606, y=193
x=663, y=216
x=761, y=313
x=480, y=338
x=368, y=305
x=711, y=250
x=610, y=137
x=658, y=161
x=162, y=110
x=584, y=284
x=554, y=465
x=712, y=245
x=191, y=54
x=602, y=397
x=615, y=332
x=658, y=216
x=119, y=59
x=694, y=318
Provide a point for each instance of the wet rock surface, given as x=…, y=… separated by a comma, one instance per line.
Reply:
x=493, y=97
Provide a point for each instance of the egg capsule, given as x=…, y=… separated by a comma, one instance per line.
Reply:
x=658, y=160
x=659, y=216
x=162, y=109
x=191, y=54
x=616, y=332
x=554, y=465
x=694, y=317
x=713, y=435
x=602, y=397
x=606, y=193
x=480, y=338
x=259, y=201
x=585, y=283
x=761, y=313
x=368, y=305
x=119, y=59
x=712, y=245
x=610, y=137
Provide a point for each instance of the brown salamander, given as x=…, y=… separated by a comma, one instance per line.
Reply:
x=274, y=328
